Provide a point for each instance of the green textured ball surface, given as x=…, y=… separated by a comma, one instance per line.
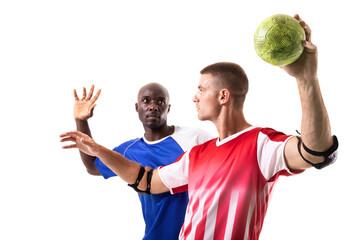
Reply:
x=278, y=40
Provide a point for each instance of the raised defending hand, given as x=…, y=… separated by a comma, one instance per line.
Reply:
x=80, y=141
x=305, y=68
x=84, y=107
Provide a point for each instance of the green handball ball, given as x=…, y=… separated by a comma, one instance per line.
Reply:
x=278, y=40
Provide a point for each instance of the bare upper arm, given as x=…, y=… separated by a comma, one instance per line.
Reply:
x=157, y=186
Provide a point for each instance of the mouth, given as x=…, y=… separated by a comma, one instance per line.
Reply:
x=153, y=116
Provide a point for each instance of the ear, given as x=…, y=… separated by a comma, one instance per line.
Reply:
x=136, y=107
x=224, y=96
x=169, y=107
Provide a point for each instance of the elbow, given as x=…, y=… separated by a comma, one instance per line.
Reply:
x=93, y=172
x=327, y=157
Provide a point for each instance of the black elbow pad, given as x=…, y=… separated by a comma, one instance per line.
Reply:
x=330, y=155
x=139, y=177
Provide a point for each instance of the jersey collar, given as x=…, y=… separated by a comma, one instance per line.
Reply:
x=231, y=137
x=160, y=140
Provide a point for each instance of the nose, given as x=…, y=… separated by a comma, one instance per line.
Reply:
x=153, y=107
x=195, y=98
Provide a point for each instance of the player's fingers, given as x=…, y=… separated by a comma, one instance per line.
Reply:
x=69, y=146
x=309, y=46
x=91, y=92
x=70, y=134
x=84, y=94
x=68, y=139
x=305, y=26
x=75, y=95
x=92, y=107
x=297, y=16
x=307, y=31
x=97, y=95
x=63, y=135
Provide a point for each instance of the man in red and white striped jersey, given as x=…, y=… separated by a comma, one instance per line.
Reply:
x=230, y=178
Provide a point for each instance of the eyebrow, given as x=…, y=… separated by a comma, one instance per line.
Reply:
x=159, y=98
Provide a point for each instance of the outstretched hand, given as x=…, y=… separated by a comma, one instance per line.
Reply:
x=81, y=141
x=305, y=68
x=84, y=107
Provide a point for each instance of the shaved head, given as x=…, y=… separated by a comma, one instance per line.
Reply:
x=155, y=87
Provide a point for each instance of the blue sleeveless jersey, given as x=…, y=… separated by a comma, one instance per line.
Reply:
x=163, y=213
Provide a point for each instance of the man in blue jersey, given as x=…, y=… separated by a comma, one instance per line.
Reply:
x=161, y=145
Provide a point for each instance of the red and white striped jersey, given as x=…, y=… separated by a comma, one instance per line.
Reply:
x=229, y=183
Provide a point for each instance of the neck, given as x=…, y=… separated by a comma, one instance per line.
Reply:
x=159, y=133
x=230, y=122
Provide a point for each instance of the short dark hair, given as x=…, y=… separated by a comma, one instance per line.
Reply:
x=230, y=76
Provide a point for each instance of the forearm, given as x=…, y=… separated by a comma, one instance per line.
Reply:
x=315, y=124
x=83, y=126
x=126, y=169
x=88, y=161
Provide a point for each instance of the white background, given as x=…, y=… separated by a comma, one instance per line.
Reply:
x=48, y=48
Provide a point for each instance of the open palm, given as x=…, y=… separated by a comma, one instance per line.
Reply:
x=84, y=107
x=81, y=141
